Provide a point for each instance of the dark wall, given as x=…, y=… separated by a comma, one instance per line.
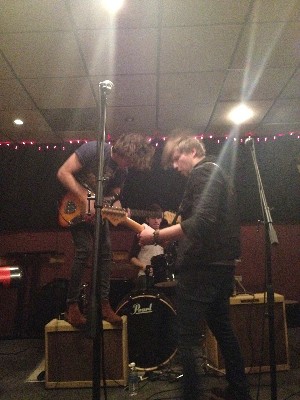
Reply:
x=30, y=192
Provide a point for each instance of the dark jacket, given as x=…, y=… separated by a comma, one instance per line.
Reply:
x=209, y=218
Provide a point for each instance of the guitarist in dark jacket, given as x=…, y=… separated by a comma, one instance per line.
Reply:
x=209, y=244
x=78, y=176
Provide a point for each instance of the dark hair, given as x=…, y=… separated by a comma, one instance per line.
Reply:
x=155, y=211
x=136, y=148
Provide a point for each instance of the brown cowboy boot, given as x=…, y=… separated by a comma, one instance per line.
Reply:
x=74, y=316
x=108, y=314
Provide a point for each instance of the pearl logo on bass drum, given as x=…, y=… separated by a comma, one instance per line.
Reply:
x=138, y=309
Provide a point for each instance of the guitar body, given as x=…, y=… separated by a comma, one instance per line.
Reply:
x=71, y=211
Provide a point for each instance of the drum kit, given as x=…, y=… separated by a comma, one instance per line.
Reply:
x=151, y=318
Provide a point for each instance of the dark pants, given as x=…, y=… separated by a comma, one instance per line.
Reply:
x=83, y=238
x=204, y=299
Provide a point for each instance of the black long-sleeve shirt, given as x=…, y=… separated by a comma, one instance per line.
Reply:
x=209, y=218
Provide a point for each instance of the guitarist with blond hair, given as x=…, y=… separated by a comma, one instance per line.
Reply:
x=78, y=175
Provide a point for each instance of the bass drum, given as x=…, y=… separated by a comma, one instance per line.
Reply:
x=152, y=338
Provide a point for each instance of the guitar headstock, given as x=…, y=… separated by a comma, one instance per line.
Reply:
x=169, y=217
x=114, y=215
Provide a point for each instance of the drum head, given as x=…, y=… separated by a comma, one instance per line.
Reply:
x=152, y=338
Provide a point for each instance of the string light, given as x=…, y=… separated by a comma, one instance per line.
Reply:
x=155, y=141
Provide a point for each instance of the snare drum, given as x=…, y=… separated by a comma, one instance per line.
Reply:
x=152, y=338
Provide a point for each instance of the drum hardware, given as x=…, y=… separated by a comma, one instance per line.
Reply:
x=84, y=298
x=161, y=269
x=208, y=367
x=149, y=277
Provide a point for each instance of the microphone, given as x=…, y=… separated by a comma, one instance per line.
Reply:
x=249, y=142
x=106, y=85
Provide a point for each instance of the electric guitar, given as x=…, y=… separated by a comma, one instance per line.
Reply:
x=71, y=211
x=117, y=216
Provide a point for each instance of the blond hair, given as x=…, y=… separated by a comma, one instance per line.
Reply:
x=136, y=148
x=184, y=141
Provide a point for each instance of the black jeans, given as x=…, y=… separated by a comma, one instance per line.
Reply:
x=204, y=299
x=83, y=238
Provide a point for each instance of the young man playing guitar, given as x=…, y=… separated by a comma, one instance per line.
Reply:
x=78, y=175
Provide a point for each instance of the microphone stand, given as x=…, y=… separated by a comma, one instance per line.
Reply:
x=96, y=327
x=270, y=240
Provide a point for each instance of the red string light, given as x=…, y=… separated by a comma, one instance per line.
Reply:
x=156, y=141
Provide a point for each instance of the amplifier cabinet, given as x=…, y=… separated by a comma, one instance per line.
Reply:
x=69, y=355
x=250, y=323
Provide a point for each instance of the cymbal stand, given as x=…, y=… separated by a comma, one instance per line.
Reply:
x=206, y=364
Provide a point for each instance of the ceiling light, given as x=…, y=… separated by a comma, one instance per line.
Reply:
x=18, y=122
x=240, y=114
x=113, y=5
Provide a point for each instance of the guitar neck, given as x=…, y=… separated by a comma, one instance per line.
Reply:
x=135, y=226
x=117, y=216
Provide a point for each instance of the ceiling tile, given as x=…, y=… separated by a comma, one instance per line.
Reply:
x=292, y=89
x=61, y=92
x=268, y=45
x=201, y=87
x=90, y=14
x=33, y=15
x=119, y=119
x=275, y=10
x=43, y=54
x=5, y=70
x=188, y=115
x=284, y=110
x=129, y=90
x=13, y=96
x=129, y=51
x=72, y=119
x=255, y=84
x=193, y=49
x=203, y=12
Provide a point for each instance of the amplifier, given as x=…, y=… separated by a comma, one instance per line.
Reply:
x=250, y=324
x=69, y=355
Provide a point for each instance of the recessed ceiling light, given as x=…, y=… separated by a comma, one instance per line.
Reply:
x=240, y=114
x=113, y=5
x=18, y=122
x=129, y=119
